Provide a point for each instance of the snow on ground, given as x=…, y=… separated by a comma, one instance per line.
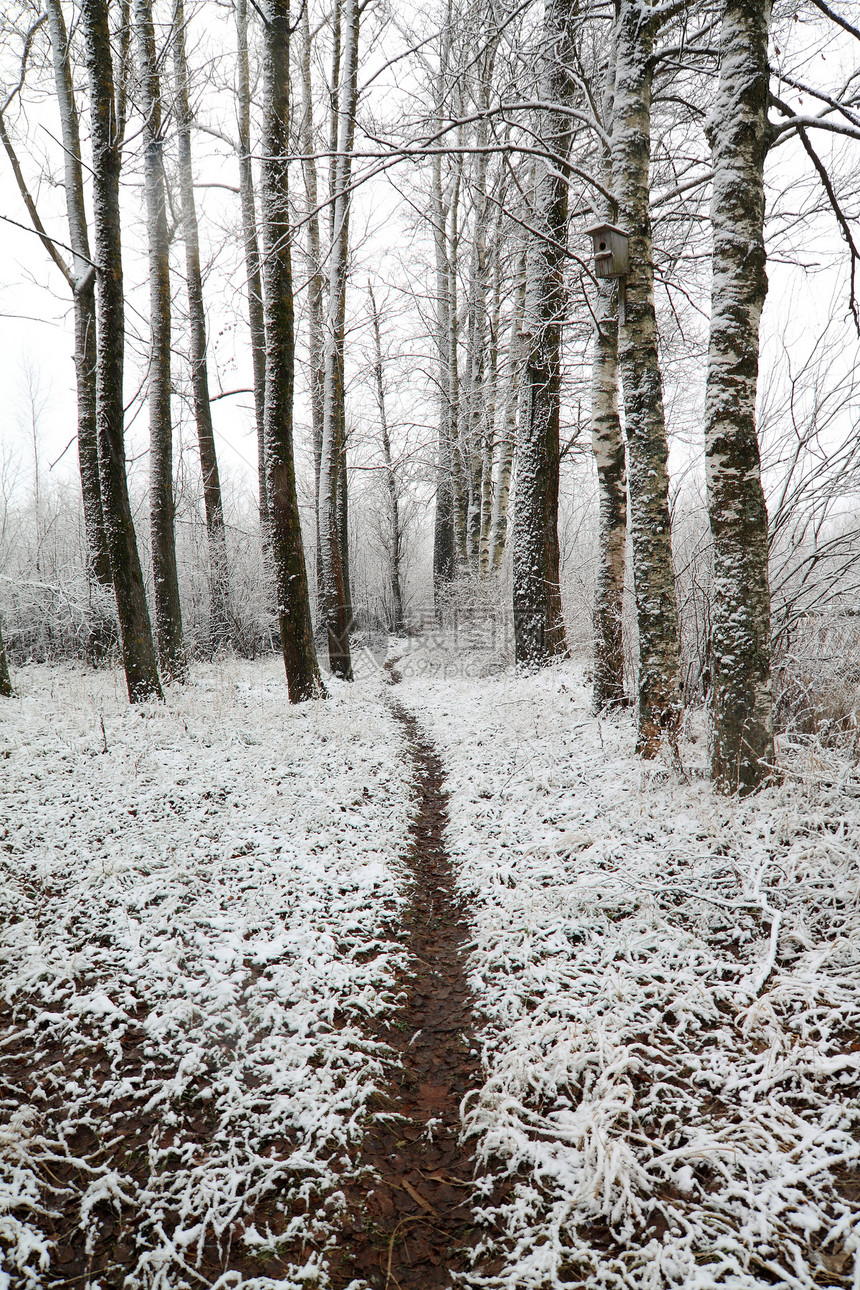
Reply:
x=196, y=908
x=669, y=988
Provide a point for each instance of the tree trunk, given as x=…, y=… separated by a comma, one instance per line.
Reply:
x=138, y=651
x=443, y=523
x=538, y=623
x=607, y=441
x=459, y=490
x=168, y=613
x=492, y=392
x=395, y=535
x=256, y=317
x=741, y=700
x=333, y=478
x=316, y=286
x=98, y=562
x=294, y=611
x=507, y=436
x=476, y=426
x=6, y=690
x=608, y=445
x=659, y=693
x=443, y=520
x=216, y=532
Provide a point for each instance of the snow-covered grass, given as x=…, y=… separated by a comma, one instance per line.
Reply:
x=196, y=903
x=669, y=988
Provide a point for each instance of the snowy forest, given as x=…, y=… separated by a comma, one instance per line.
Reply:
x=429, y=644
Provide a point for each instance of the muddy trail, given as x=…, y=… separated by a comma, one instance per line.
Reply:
x=411, y=1227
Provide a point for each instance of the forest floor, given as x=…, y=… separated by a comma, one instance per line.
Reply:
x=431, y=984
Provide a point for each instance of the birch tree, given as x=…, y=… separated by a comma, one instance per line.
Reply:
x=288, y=556
x=332, y=503
x=216, y=533
x=138, y=651
x=253, y=275
x=609, y=458
x=83, y=293
x=394, y=543
x=539, y=633
x=740, y=646
x=659, y=698
x=316, y=284
x=506, y=437
x=168, y=613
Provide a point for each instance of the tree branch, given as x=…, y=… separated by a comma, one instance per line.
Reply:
x=834, y=17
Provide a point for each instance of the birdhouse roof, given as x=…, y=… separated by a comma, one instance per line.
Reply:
x=596, y=229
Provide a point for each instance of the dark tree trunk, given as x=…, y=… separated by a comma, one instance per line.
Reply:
x=333, y=500
x=212, y=500
x=659, y=699
x=168, y=612
x=444, y=563
x=741, y=699
x=294, y=612
x=538, y=622
x=98, y=562
x=256, y=318
x=138, y=651
x=5, y=680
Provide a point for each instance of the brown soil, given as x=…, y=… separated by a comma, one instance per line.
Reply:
x=410, y=1187
x=411, y=1224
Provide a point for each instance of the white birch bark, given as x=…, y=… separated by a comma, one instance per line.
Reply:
x=506, y=436
x=659, y=698
x=741, y=703
x=607, y=443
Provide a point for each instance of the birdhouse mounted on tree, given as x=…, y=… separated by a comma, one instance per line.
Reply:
x=611, y=258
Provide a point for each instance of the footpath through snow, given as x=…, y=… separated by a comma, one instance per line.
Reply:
x=669, y=985
x=204, y=906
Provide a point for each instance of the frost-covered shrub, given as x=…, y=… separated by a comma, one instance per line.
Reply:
x=817, y=678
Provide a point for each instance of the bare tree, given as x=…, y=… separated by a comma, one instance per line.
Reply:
x=394, y=544
x=256, y=317
x=507, y=431
x=538, y=622
x=212, y=500
x=138, y=651
x=172, y=657
x=332, y=503
x=80, y=278
x=294, y=611
x=609, y=458
x=659, y=698
x=740, y=643
x=84, y=281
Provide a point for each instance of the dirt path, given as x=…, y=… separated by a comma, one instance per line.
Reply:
x=413, y=1227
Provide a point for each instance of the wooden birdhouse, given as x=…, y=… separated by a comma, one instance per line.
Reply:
x=610, y=250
